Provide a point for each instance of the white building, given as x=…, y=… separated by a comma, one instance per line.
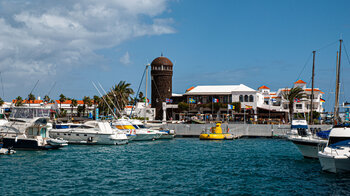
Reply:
x=275, y=100
x=263, y=102
x=66, y=105
x=140, y=111
x=224, y=94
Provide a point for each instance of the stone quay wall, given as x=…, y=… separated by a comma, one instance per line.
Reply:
x=242, y=130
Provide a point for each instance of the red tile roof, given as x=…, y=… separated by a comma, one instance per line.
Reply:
x=263, y=87
x=80, y=102
x=189, y=89
x=299, y=82
x=27, y=101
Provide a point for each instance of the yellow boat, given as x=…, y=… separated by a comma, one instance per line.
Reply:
x=216, y=134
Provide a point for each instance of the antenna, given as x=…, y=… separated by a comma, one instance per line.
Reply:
x=105, y=101
x=109, y=98
x=33, y=88
x=48, y=94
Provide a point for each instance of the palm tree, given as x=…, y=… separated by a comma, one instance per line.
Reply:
x=72, y=105
x=1, y=102
x=47, y=99
x=141, y=97
x=19, y=101
x=62, y=99
x=87, y=101
x=123, y=92
x=290, y=96
x=31, y=97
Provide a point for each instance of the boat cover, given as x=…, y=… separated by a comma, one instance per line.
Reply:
x=323, y=134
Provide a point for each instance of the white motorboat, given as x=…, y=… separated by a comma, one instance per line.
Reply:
x=27, y=128
x=141, y=134
x=307, y=142
x=335, y=157
x=139, y=126
x=166, y=133
x=91, y=132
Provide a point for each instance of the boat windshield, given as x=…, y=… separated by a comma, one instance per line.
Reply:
x=338, y=141
x=30, y=112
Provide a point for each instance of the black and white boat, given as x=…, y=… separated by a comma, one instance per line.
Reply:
x=27, y=129
x=335, y=157
x=307, y=141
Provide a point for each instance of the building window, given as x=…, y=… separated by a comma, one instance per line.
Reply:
x=299, y=106
x=241, y=98
x=245, y=98
x=266, y=102
x=225, y=99
x=285, y=106
x=251, y=98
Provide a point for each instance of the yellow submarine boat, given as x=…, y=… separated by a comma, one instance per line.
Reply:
x=216, y=134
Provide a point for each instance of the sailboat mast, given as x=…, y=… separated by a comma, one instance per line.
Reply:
x=337, y=88
x=146, y=91
x=312, y=88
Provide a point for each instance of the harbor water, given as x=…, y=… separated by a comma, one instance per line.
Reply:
x=172, y=167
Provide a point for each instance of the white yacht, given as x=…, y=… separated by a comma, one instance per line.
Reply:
x=27, y=128
x=307, y=142
x=141, y=134
x=90, y=132
x=335, y=157
x=166, y=133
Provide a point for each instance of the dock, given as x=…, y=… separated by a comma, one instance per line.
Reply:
x=238, y=130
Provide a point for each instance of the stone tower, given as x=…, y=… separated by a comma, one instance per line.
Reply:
x=161, y=76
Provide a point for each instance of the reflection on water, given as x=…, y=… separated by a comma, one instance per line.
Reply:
x=180, y=166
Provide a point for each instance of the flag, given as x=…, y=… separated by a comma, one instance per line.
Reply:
x=191, y=100
x=322, y=100
x=215, y=100
x=168, y=100
x=248, y=107
x=144, y=99
x=297, y=100
x=230, y=107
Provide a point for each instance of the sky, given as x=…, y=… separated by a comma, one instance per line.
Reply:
x=68, y=44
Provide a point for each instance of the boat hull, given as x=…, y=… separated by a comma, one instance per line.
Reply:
x=167, y=136
x=145, y=137
x=27, y=144
x=334, y=164
x=90, y=138
x=309, y=148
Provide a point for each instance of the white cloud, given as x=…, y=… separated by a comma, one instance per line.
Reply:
x=125, y=59
x=41, y=38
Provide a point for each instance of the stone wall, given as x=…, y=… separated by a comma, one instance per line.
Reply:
x=249, y=130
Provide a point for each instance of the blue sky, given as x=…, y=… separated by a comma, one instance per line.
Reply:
x=210, y=42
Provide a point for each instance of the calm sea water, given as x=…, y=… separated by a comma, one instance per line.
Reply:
x=175, y=167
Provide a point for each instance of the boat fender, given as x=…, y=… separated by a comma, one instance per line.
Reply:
x=16, y=139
